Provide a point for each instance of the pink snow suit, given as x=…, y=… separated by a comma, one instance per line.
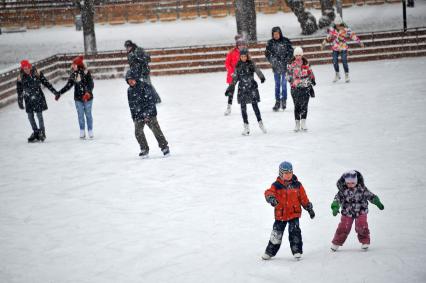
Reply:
x=345, y=226
x=230, y=63
x=299, y=73
x=339, y=38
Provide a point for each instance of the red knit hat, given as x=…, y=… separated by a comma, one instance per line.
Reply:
x=25, y=64
x=78, y=61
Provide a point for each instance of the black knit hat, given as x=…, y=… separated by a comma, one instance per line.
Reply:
x=244, y=51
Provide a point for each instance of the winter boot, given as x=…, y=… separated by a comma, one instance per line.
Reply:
x=246, y=130
x=82, y=134
x=33, y=137
x=297, y=256
x=337, y=77
x=41, y=135
x=276, y=106
x=303, y=126
x=265, y=256
x=334, y=247
x=144, y=153
x=365, y=246
x=283, y=103
x=228, y=110
x=166, y=151
x=91, y=136
x=347, y=77
x=297, y=127
x=262, y=127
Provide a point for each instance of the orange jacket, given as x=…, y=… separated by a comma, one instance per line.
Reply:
x=290, y=196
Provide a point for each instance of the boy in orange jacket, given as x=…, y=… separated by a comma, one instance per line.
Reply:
x=287, y=195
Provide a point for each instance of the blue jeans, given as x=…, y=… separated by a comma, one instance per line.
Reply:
x=84, y=109
x=280, y=81
x=344, y=55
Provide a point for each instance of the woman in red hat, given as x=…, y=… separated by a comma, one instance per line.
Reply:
x=28, y=86
x=82, y=81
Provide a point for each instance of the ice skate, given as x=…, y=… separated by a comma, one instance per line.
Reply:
x=33, y=137
x=41, y=135
x=144, y=154
x=347, y=79
x=303, y=126
x=297, y=127
x=276, y=106
x=337, y=77
x=262, y=127
x=334, y=247
x=82, y=134
x=297, y=256
x=246, y=130
x=228, y=110
x=265, y=256
x=365, y=246
x=91, y=136
x=166, y=151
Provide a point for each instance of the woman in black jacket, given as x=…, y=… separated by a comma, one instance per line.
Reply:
x=28, y=86
x=82, y=81
x=247, y=88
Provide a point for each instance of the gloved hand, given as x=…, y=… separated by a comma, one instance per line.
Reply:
x=21, y=105
x=272, y=200
x=314, y=83
x=311, y=213
x=230, y=90
x=86, y=97
x=57, y=97
x=335, y=207
x=262, y=80
x=378, y=203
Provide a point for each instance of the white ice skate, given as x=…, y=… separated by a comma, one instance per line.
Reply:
x=246, y=130
x=297, y=256
x=297, y=127
x=91, y=136
x=365, y=246
x=265, y=256
x=347, y=79
x=303, y=126
x=337, y=77
x=228, y=110
x=82, y=134
x=334, y=247
x=262, y=127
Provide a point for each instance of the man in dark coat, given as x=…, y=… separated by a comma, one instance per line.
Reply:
x=278, y=52
x=28, y=87
x=139, y=61
x=143, y=111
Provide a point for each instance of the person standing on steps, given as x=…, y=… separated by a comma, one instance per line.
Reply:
x=248, y=92
x=231, y=61
x=279, y=52
x=28, y=87
x=338, y=35
x=139, y=60
x=82, y=81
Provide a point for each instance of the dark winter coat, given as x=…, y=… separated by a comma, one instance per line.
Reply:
x=290, y=196
x=141, y=101
x=354, y=201
x=247, y=88
x=138, y=61
x=29, y=90
x=279, y=52
x=82, y=82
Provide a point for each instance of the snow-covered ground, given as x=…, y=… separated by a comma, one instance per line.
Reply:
x=42, y=43
x=92, y=211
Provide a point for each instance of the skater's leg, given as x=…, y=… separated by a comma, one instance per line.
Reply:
x=32, y=121
x=361, y=227
x=284, y=86
x=244, y=112
x=156, y=130
x=88, y=113
x=345, y=61
x=343, y=230
x=336, y=61
x=140, y=135
x=277, y=78
x=79, y=105
x=275, y=240
x=295, y=236
x=256, y=111
x=304, y=101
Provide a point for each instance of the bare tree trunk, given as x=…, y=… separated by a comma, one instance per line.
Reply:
x=328, y=14
x=87, y=9
x=307, y=21
x=245, y=14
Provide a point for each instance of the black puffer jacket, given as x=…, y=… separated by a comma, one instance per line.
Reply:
x=29, y=90
x=82, y=82
x=279, y=52
x=141, y=98
x=247, y=88
x=138, y=61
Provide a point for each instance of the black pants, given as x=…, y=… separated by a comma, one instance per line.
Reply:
x=255, y=109
x=230, y=97
x=33, y=122
x=294, y=237
x=301, y=101
x=156, y=130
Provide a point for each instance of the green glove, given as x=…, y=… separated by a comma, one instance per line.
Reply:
x=377, y=202
x=335, y=207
